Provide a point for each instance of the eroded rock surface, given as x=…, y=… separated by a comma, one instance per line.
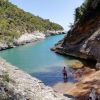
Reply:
x=87, y=79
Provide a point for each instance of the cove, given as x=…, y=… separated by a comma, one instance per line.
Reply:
x=38, y=60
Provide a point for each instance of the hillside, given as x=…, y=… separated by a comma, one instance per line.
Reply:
x=15, y=21
x=83, y=39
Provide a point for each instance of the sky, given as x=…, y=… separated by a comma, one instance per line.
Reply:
x=58, y=11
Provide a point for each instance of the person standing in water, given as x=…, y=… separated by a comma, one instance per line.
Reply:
x=64, y=73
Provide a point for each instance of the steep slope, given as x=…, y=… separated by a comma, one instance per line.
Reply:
x=83, y=39
x=14, y=22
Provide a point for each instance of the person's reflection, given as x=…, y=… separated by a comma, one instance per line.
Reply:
x=65, y=80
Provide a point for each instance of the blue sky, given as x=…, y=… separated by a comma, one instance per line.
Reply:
x=59, y=11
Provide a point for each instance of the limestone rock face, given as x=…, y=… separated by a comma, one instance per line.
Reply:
x=27, y=38
x=23, y=39
x=3, y=46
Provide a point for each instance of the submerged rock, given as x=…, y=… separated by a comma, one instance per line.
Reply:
x=75, y=64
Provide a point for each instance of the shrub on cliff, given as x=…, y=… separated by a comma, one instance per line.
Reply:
x=15, y=21
x=85, y=11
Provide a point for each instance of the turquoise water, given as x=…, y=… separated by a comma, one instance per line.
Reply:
x=38, y=60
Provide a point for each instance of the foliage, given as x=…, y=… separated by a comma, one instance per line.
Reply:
x=84, y=11
x=15, y=21
x=6, y=78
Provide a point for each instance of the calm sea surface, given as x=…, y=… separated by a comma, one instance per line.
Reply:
x=38, y=60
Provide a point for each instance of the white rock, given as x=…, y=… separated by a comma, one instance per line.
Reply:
x=29, y=37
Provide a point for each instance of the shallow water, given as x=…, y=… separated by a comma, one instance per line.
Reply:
x=38, y=60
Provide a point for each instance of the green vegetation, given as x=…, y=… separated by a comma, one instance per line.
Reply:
x=6, y=78
x=3, y=98
x=85, y=11
x=15, y=21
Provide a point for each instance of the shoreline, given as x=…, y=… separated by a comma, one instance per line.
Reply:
x=20, y=85
x=72, y=87
x=23, y=40
x=69, y=89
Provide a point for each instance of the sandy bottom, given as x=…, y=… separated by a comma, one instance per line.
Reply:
x=63, y=87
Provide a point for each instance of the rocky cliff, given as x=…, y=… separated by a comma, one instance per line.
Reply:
x=83, y=39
